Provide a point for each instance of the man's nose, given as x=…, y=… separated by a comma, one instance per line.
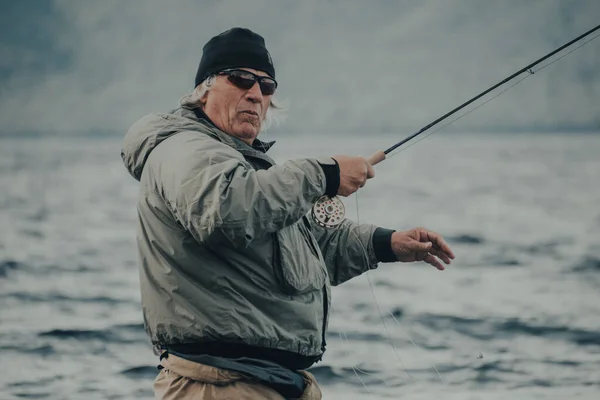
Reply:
x=254, y=94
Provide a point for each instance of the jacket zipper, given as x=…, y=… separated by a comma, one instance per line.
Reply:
x=325, y=310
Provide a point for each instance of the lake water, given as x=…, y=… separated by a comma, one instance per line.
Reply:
x=517, y=314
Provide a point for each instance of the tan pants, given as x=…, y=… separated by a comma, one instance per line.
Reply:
x=187, y=380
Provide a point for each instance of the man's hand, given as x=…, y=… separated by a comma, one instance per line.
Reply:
x=420, y=244
x=354, y=172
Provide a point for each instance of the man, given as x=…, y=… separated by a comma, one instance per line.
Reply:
x=235, y=275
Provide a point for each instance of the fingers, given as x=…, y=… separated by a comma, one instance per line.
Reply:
x=440, y=254
x=354, y=173
x=430, y=259
x=370, y=171
x=425, y=251
x=439, y=243
x=421, y=246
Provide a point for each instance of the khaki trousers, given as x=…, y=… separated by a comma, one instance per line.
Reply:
x=187, y=380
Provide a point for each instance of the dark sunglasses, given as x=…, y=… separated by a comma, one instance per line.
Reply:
x=246, y=79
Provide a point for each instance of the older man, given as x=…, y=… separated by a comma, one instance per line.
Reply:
x=235, y=278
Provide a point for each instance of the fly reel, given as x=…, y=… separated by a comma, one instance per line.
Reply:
x=328, y=212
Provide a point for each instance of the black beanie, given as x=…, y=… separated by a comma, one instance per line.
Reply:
x=237, y=47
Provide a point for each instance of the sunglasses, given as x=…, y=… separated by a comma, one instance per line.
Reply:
x=246, y=79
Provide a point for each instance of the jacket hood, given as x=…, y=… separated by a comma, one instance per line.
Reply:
x=148, y=132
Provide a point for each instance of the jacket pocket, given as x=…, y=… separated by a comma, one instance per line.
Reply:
x=298, y=262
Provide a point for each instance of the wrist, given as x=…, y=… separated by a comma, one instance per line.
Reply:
x=332, y=177
x=382, y=245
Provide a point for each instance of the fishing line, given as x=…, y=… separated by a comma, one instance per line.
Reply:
x=414, y=344
x=355, y=368
x=325, y=219
x=396, y=152
x=381, y=155
x=329, y=211
x=373, y=291
x=389, y=336
x=531, y=72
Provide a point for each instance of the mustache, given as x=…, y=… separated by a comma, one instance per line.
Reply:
x=251, y=112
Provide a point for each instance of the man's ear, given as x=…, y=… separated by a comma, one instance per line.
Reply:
x=209, y=82
x=203, y=98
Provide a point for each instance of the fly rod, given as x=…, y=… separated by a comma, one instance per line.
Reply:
x=380, y=155
x=329, y=212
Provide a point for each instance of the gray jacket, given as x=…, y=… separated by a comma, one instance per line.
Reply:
x=225, y=250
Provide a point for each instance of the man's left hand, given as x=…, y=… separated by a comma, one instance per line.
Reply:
x=420, y=244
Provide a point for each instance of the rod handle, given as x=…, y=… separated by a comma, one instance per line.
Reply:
x=377, y=158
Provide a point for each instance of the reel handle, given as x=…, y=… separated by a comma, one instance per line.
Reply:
x=376, y=158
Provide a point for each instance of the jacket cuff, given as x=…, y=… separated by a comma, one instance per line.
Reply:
x=332, y=177
x=382, y=245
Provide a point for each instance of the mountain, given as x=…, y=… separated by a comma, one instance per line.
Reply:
x=346, y=67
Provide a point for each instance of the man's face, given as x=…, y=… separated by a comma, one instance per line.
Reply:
x=236, y=111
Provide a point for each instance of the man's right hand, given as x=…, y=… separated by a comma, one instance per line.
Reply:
x=354, y=172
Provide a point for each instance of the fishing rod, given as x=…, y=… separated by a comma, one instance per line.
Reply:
x=381, y=155
x=329, y=212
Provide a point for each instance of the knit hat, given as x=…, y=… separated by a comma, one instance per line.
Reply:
x=234, y=48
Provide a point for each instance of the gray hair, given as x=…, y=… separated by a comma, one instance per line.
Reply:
x=276, y=112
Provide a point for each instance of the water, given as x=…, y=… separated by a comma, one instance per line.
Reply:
x=517, y=315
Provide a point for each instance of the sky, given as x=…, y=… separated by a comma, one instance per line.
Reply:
x=80, y=67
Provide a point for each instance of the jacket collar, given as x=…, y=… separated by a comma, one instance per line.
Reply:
x=258, y=148
x=257, y=145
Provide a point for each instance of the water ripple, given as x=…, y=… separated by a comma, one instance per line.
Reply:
x=8, y=265
x=44, y=350
x=140, y=372
x=487, y=329
x=59, y=297
x=534, y=383
x=42, y=395
x=588, y=264
x=358, y=336
x=35, y=383
x=326, y=374
x=465, y=239
x=133, y=333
